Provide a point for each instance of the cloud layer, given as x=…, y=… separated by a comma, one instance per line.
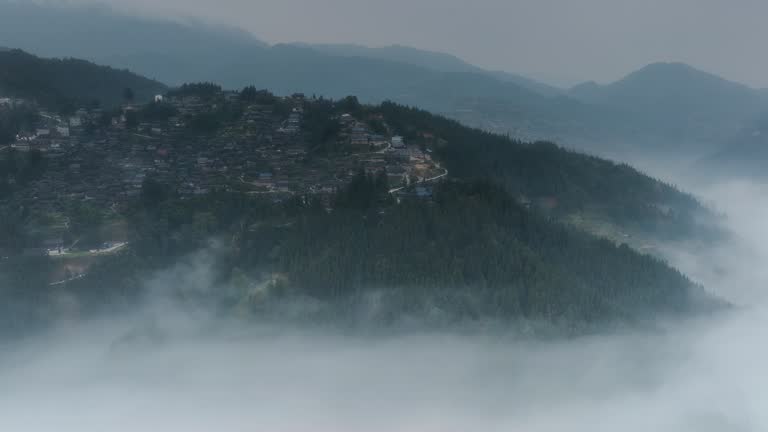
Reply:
x=125, y=376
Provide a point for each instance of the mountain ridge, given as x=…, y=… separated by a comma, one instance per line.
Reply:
x=661, y=109
x=434, y=60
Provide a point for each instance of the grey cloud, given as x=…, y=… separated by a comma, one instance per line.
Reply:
x=702, y=378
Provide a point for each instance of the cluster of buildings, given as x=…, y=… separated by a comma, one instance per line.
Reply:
x=263, y=152
x=359, y=135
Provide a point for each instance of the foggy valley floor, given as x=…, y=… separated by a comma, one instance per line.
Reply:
x=698, y=376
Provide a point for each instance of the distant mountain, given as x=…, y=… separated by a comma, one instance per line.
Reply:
x=586, y=91
x=678, y=100
x=432, y=60
x=59, y=84
x=286, y=69
x=96, y=32
x=681, y=85
x=743, y=156
x=537, y=86
x=659, y=109
x=427, y=59
x=175, y=53
x=101, y=35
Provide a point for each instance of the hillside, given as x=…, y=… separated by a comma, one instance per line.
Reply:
x=564, y=182
x=471, y=255
x=452, y=225
x=477, y=254
x=61, y=84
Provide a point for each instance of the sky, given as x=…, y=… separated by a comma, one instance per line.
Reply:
x=563, y=42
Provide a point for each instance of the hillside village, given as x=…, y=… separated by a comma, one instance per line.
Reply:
x=74, y=182
x=104, y=157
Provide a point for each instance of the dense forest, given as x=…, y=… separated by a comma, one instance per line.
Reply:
x=552, y=178
x=472, y=253
x=475, y=253
x=63, y=84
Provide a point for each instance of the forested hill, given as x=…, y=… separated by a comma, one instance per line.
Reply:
x=559, y=182
x=485, y=242
x=61, y=84
x=476, y=253
x=472, y=254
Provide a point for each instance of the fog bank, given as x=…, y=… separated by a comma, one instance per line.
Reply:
x=106, y=376
x=734, y=269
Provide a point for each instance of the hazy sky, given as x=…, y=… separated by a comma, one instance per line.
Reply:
x=563, y=41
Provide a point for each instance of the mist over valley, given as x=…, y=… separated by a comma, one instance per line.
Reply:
x=201, y=230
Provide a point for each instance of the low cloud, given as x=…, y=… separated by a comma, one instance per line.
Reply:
x=734, y=268
x=702, y=377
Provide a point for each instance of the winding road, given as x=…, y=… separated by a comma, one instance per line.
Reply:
x=431, y=179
